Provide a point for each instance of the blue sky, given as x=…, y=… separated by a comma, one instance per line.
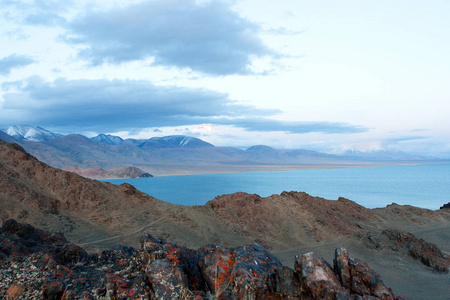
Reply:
x=322, y=75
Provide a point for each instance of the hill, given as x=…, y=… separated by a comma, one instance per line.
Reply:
x=99, y=173
x=404, y=244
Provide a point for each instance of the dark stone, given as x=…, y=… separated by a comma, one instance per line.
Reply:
x=53, y=290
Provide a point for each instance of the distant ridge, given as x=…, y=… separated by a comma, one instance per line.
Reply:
x=180, y=154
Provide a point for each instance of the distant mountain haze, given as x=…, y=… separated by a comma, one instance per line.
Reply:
x=178, y=154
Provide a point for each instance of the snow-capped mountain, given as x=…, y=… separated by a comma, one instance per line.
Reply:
x=175, y=141
x=108, y=139
x=30, y=133
x=183, y=141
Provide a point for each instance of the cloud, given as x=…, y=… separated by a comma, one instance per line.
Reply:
x=405, y=138
x=14, y=61
x=204, y=36
x=36, y=12
x=265, y=125
x=106, y=106
x=45, y=18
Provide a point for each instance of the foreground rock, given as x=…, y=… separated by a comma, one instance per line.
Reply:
x=35, y=264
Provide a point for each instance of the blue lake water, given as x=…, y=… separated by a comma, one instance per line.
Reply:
x=426, y=186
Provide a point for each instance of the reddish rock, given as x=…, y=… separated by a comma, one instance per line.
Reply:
x=317, y=279
x=215, y=264
x=15, y=291
x=365, y=281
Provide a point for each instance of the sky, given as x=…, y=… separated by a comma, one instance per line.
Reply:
x=327, y=75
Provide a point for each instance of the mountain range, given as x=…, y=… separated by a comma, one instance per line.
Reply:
x=178, y=154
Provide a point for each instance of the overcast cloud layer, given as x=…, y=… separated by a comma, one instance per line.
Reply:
x=290, y=74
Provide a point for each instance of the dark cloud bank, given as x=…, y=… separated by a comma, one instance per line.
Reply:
x=104, y=105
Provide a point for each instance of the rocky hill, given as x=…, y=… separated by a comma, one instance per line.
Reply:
x=404, y=244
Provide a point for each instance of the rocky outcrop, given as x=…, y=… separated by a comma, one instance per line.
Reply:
x=445, y=206
x=37, y=264
x=407, y=243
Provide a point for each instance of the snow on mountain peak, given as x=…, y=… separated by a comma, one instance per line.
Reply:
x=181, y=141
x=108, y=139
x=30, y=133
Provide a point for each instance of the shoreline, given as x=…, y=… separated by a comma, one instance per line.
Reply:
x=186, y=170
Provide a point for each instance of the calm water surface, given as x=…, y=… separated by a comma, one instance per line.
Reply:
x=426, y=186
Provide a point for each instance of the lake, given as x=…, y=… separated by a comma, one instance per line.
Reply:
x=426, y=186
